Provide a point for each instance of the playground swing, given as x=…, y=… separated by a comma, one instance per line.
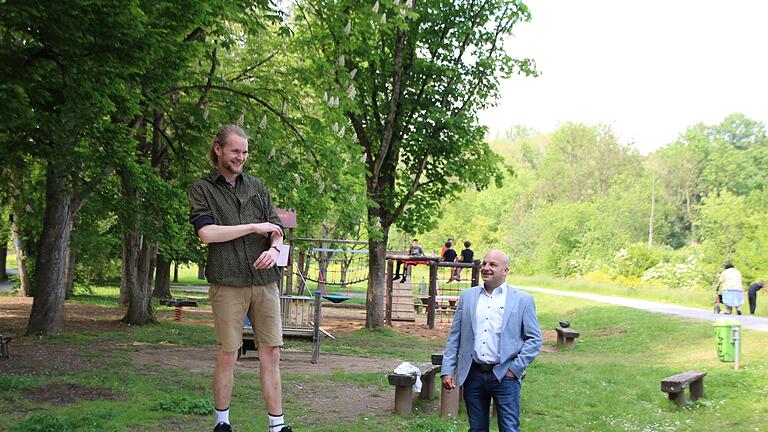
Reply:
x=338, y=267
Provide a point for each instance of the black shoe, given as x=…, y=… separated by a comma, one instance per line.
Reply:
x=402, y=280
x=284, y=429
x=395, y=276
x=222, y=427
x=738, y=312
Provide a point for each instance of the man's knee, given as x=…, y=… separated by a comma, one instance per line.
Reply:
x=226, y=359
x=269, y=354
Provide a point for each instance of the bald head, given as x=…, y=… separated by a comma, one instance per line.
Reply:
x=495, y=268
x=500, y=255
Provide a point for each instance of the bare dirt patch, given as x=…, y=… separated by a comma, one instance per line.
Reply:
x=60, y=394
x=608, y=332
x=340, y=401
x=291, y=361
x=329, y=400
x=549, y=336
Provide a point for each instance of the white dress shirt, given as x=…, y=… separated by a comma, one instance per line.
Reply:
x=488, y=319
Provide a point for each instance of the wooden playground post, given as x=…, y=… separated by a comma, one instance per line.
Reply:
x=476, y=273
x=432, y=294
x=288, y=219
x=388, y=299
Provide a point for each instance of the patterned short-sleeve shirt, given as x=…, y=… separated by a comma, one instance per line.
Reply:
x=213, y=201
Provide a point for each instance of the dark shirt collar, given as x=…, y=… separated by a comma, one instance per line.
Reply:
x=217, y=177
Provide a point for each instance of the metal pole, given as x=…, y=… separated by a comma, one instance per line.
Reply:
x=388, y=297
x=316, y=329
x=289, y=269
x=735, y=337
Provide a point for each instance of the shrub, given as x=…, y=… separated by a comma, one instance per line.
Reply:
x=685, y=275
x=634, y=260
x=186, y=405
x=43, y=423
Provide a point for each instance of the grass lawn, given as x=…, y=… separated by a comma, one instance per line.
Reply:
x=10, y=261
x=609, y=382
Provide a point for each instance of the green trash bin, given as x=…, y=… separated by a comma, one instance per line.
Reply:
x=726, y=348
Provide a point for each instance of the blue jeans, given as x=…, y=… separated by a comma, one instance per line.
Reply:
x=479, y=388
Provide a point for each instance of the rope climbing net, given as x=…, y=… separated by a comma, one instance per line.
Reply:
x=335, y=267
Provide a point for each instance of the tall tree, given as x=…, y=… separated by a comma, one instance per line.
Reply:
x=70, y=63
x=408, y=78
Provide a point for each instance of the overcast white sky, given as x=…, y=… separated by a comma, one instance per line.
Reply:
x=648, y=68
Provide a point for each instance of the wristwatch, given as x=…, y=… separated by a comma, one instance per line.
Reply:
x=275, y=248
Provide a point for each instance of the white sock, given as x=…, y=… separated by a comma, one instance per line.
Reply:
x=276, y=422
x=222, y=416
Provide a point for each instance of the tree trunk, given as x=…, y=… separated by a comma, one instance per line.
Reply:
x=69, y=278
x=148, y=262
x=653, y=209
x=25, y=285
x=135, y=279
x=200, y=272
x=3, y=258
x=377, y=262
x=162, y=278
x=47, y=317
x=135, y=287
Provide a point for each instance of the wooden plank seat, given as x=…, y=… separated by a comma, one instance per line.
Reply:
x=404, y=387
x=675, y=386
x=566, y=336
x=178, y=302
x=444, y=304
x=422, y=304
x=5, y=339
x=449, y=399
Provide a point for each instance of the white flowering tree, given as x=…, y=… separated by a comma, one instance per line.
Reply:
x=405, y=80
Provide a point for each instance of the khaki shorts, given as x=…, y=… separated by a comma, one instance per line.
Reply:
x=230, y=304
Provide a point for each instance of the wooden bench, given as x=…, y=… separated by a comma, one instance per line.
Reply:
x=675, y=386
x=5, y=339
x=443, y=304
x=566, y=336
x=178, y=303
x=404, y=387
x=421, y=305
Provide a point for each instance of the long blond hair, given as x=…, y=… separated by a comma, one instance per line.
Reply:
x=221, y=139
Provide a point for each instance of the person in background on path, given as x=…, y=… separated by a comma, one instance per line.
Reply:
x=754, y=287
x=414, y=250
x=494, y=337
x=733, y=294
x=467, y=256
x=232, y=212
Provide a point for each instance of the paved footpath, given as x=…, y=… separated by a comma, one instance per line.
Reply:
x=747, y=321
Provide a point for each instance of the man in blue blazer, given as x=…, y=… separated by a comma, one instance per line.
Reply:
x=494, y=337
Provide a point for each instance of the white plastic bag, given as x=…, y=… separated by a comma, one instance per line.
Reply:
x=406, y=368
